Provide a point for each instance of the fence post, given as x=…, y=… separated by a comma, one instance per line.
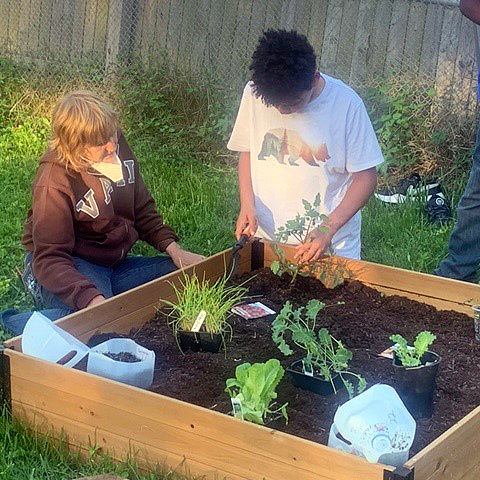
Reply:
x=114, y=24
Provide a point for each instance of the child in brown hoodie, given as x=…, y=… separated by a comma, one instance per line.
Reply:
x=89, y=206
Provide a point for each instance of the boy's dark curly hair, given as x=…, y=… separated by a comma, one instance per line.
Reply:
x=283, y=66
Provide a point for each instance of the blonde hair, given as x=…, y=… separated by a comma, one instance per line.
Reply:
x=80, y=119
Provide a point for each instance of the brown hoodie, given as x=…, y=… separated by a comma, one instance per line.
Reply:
x=87, y=215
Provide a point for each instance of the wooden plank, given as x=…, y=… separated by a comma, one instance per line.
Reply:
x=413, y=40
x=465, y=72
x=199, y=45
x=89, y=26
x=316, y=28
x=114, y=24
x=362, y=46
x=379, y=39
x=58, y=43
x=447, y=53
x=4, y=18
x=302, y=16
x=138, y=428
x=100, y=38
x=343, y=62
x=431, y=40
x=100, y=402
x=218, y=55
x=23, y=26
x=80, y=436
x=79, y=18
x=396, y=37
x=331, y=38
x=429, y=287
x=272, y=18
x=453, y=455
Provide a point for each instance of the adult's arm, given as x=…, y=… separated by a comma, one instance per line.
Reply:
x=471, y=9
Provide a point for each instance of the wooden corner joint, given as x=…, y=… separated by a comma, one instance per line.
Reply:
x=400, y=473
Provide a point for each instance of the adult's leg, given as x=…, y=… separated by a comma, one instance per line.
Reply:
x=137, y=270
x=463, y=257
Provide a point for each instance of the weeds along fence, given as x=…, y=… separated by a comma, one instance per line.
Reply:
x=408, y=58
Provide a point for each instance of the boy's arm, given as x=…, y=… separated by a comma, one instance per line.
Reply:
x=247, y=219
x=360, y=190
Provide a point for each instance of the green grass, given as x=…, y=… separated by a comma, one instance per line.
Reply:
x=177, y=129
x=26, y=455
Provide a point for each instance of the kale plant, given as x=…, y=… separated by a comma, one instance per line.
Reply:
x=324, y=354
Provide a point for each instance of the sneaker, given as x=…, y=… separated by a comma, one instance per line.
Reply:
x=438, y=209
x=410, y=186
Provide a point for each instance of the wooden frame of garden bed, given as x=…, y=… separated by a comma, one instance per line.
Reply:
x=120, y=419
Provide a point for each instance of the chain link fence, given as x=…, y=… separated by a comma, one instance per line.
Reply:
x=406, y=57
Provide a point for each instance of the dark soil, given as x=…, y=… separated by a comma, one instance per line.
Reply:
x=126, y=357
x=363, y=322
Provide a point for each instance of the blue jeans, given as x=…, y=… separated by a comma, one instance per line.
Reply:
x=132, y=272
x=463, y=257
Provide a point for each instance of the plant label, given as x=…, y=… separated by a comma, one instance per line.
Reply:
x=252, y=310
x=307, y=369
x=199, y=321
x=237, y=408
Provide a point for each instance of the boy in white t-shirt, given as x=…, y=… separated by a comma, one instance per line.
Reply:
x=300, y=133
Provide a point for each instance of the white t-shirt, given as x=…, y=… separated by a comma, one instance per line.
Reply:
x=295, y=156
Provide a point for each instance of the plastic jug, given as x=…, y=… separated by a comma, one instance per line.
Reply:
x=41, y=338
x=375, y=425
x=139, y=374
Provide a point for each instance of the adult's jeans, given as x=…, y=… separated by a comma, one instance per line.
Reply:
x=132, y=272
x=463, y=257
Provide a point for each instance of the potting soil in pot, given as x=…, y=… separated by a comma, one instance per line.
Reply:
x=361, y=317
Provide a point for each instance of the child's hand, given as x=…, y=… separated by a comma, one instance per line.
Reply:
x=315, y=246
x=183, y=258
x=246, y=223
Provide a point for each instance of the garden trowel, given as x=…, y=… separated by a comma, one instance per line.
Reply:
x=235, y=256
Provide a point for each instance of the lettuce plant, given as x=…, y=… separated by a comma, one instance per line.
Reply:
x=324, y=354
x=254, y=388
x=412, y=356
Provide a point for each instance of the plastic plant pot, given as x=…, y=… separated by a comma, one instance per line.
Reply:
x=416, y=385
x=200, y=341
x=313, y=383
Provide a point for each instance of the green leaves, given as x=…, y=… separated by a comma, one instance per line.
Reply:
x=325, y=353
x=254, y=388
x=412, y=356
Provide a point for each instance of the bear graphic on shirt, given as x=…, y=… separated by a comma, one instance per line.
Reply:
x=288, y=147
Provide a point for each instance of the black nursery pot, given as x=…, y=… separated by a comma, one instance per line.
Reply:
x=416, y=385
x=313, y=384
x=200, y=341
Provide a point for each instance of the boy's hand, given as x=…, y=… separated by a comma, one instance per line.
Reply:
x=246, y=223
x=182, y=258
x=315, y=246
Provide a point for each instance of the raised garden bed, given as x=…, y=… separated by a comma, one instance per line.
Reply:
x=93, y=410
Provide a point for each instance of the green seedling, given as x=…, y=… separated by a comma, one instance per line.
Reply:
x=412, y=356
x=324, y=354
x=254, y=389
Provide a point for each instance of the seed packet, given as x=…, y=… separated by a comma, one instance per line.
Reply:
x=252, y=310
